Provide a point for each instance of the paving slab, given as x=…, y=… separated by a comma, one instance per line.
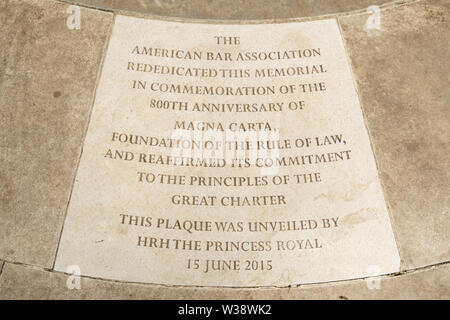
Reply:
x=235, y=10
x=47, y=79
x=402, y=74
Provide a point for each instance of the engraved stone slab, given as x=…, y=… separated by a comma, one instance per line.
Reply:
x=227, y=155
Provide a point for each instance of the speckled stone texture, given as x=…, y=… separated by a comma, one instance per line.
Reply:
x=47, y=80
x=22, y=282
x=402, y=73
x=235, y=9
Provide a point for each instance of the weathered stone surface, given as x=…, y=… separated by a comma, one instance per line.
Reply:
x=235, y=10
x=47, y=79
x=22, y=282
x=402, y=75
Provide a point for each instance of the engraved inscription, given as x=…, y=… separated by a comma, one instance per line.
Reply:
x=227, y=155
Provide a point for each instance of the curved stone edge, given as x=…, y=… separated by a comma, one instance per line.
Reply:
x=28, y=282
x=297, y=17
x=249, y=10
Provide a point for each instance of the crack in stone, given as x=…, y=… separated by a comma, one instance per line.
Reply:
x=2, y=263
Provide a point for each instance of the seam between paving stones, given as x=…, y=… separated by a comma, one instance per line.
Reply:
x=92, y=102
x=362, y=11
x=372, y=148
x=292, y=286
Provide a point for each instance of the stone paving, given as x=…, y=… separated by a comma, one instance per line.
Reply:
x=48, y=79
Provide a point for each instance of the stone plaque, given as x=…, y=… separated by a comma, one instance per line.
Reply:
x=227, y=155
